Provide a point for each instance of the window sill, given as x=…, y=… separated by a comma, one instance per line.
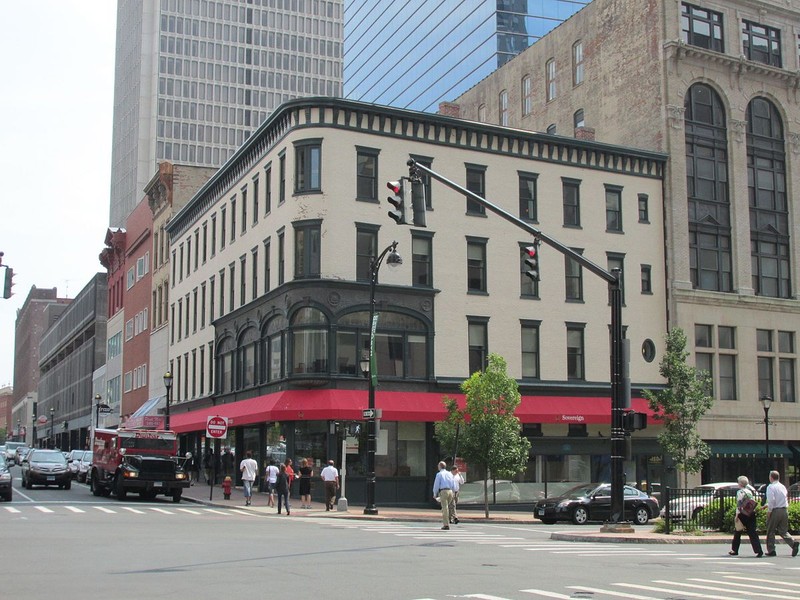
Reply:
x=574, y=300
x=477, y=293
x=369, y=200
x=615, y=231
x=476, y=214
x=306, y=192
x=569, y=226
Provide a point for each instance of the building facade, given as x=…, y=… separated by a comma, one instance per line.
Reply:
x=69, y=354
x=416, y=54
x=193, y=79
x=715, y=88
x=269, y=313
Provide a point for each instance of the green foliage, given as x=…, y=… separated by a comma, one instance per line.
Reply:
x=681, y=405
x=714, y=516
x=761, y=519
x=488, y=432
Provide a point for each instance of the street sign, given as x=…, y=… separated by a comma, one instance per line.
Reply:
x=104, y=409
x=368, y=413
x=217, y=427
x=42, y=420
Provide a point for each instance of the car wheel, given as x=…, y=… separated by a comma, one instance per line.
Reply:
x=176, y=496
x=68, y=485
x=580, y=515
x=641, y=515
x=8, y=497
x=27, y=483
x=120, y=491
x=548, y=521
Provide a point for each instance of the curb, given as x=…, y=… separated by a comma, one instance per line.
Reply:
x=637, y=539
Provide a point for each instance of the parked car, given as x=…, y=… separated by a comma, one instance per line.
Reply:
x=592, y=502
x=5, y=479
x=85, y=467
x=45, y=467
x=687, y=507
x=73, y=461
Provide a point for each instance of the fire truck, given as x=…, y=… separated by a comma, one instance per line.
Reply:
x=135, y=460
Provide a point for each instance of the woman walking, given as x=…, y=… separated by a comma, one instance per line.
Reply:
x=282, y=486
x=746, y=505
x=305, y=484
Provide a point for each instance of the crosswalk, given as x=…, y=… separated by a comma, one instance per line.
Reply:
x=39, y=509
x=721, y=585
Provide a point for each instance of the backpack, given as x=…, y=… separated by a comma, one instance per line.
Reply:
x=749, y=504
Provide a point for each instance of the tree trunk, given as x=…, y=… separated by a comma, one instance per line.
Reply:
x=486, y=492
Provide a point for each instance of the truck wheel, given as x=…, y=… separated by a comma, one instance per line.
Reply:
x=68, y=485
x=96, y=490
x=176, y=495
x=120, y=491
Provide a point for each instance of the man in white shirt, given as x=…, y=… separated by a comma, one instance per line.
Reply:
x=249, y=468
x=458, y=479
x=777, y=515
x=330, y=477
x=443, y=492
x=271, y=475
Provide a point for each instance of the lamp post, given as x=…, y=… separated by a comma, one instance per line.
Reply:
x=168, y=385
x=766, y=401
x=19, y=430
x=52, y=414
x=393, y=259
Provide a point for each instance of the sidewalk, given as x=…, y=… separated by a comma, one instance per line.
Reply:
x=199, y=493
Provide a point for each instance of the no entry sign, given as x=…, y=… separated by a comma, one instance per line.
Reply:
x=217, y=427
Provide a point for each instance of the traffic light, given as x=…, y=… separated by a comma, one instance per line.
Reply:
x=418, y=201
x=531, y=254
x=9, y=281
x=633, y=421
x=398, y=200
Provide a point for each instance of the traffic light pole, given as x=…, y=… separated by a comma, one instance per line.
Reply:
x=618, y=396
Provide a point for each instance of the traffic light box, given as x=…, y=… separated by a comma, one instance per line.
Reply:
x=404, y=190
x=8, y=282
x=398, y=200
x=531, y=254
x=633, y=421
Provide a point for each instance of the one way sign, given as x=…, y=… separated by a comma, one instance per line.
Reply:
x=368, y=413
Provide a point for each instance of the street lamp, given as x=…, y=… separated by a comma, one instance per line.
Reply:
x=393, y=259
x=52, y=441
x=19, y=430
x=168, y=385
x=766, y=401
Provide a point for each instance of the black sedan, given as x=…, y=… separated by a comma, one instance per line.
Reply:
x=5, y=480
x=592, y=502
x=45, y=467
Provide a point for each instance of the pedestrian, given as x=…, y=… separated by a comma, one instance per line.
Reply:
x=777, y=515
x=188, y=467
x=458, y=479
x=443, y=492
x=271, y=475
x=282, y=487
x=227, y=462
x=226, y=487
x=306, y=473
x=249, y=468
x=746, y=516
x=289, y=472
x=330, y=477
x=208, y=463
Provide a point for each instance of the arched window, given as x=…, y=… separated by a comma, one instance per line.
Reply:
x=273, y=341
x=769, y=211
x=550, y=79
x=482, y=113
x=225, y=351
x=578, y=119
x=503, y=102
x=401, y=344
x=246, y=359
x=707, y=190
x=309, y=331
x=527, y=96
x=577, y=63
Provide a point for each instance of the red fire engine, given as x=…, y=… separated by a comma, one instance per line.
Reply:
x=136, y=460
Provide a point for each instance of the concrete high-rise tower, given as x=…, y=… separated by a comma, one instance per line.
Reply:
x=415, y=54
x=194, y=78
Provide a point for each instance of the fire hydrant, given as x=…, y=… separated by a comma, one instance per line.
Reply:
x=226, y=488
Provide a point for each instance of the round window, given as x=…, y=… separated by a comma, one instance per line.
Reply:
x=648, y=350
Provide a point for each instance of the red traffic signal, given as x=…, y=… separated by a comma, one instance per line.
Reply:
x=397, y=200
x=531, y=254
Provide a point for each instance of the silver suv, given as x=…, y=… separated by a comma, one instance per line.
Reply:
x=11, y=452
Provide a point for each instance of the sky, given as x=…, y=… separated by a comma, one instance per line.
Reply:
x=56, y=105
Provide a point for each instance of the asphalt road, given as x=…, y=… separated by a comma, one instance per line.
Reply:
x=68, y=544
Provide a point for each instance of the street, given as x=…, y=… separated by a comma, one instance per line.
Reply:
x=71, y=544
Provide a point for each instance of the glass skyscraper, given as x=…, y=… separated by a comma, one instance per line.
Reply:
x=194, y=78
x=415, y=54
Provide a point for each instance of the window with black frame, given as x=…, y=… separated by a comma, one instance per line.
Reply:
x=701, y=27
x=309, y=341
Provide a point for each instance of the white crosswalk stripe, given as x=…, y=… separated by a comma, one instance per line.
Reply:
x=11, y=509
x=75, y=509
x=43, y=509
x=105, y=510
x=114, y=509
x=133, y=510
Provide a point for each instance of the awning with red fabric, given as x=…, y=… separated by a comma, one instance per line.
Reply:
x=347, y=405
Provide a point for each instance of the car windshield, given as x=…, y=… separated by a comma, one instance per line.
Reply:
x=579, y=491
x=48, y=457
x=87, y=457
x=2, y=463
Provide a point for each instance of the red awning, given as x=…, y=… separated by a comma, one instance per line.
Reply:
x=326, y=404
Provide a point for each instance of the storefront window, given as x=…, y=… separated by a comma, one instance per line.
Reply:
x=309, y=442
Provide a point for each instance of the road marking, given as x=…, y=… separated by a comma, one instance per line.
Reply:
x=721, y=589
x=484, y=597
x=190, y=511
x=160, y=510
x=75, y=509
x=752, y=580
x=11, y=509
x=243, y=512
x=133, y=510
x=105, y=510
x=546, y=594
x=43, y=509
x=218, y=512
x=582, y=588
x=772, y=584
x=651, y=588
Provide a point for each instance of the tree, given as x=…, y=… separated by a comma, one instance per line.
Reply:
x=681, y=405
x=486, y=430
